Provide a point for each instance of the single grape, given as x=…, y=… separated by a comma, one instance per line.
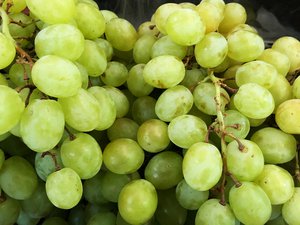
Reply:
x=8, y=51
x=143, y=47
x=147, y=28
x=25, y=219
x=9, y=210
x=115, y=74
x=143, y=109
x=17, y=73
x=296, y=88
x=107, y=14
x=106, y=46
x=220, y=4
x=16, y=6
x=193, y=77
x=290, y=209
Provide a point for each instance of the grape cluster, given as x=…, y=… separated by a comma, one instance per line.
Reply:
x=188, y=119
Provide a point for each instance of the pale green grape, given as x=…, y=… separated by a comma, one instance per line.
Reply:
x=8, y=51
x=16, y=5
x=254, y=101
x=211, y=50
x=47, y=163
x=296, y=88
x=16, y=74
x=287, y=116
x=187, y=5
x=258, y=72
x=186, y=130
x=193, y=77
x=18, y=178
x=108, y=15
x=11, y=108
x=9, y=210
x=63, y=40
x=137, y=201
x=123, y=128
x=173, y=102
x=106, y=46
x=136, y=83
x=204, y=95
x=64, y=188
x=121, y=34
x=54, y=220
x=277, y=146
x=188, y=197
x=90, y=20
x=250, y=204
x=143, y=109
x=82, y=154
x=212, y=212
x=247, y=163
x=290, y=209
x=143, y=47
x=102, y=218
x=91, y=2
x=123, y=156
x=158, y=75
x=244, y=46
x=52, y=12
x=93, y=58
x=84, y=75
x=202, y=166
x=185, y=27
x=115, y=74
x=42, y=125
x=56, y=76
x=82, y=111
x=147, y=28
x=277, y=183
x=220, y=4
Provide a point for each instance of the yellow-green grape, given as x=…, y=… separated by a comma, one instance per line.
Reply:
x=244, y=27
x=147, y=28
x=296, y=88
x=279, y=60
x=123, y=128
x=106, y=46
x=202, y=166
x=244, y=46
x=143, y=48
x=289, y=46
x=10, y=209
x=3, y=80
x=287, y=116
x=158, y=75
x=277, y=221
x=211, y=50
x=8, y=51
x=193, y=77
x=250, y=204
x=108, y=15
x=256, y=122
x=115, y=74
x=277, y=183
x=290, y=209
x=64, y=188
x=121, y=34
x=234, y=14
x=15, y=6
x=223, y=66
x=187, y=5
x=210, y=14
x=42, y=125
x=185, y=27
x=84, y=75
x=91, y=2
x=220, y=4
x=52, y=12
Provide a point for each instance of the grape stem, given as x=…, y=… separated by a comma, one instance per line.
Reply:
x=71, y=135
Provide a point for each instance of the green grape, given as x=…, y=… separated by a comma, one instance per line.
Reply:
x=123, y=128
x=93, y=58
x=247, y=163
x=9, y=210
x=244, y=46
x=82, y=154
x=278, y=221
x=13, y=145
x=47, y=163
x=164, y=170
x=234, y=14
x=77, y=215
x=137, y=201
x=108, y=110
x=17, y=74
x=290, y=209
x=188, y=197
x=38, y=205
x=204, y=95
x=143, y=109
x=193, y=77
x=102, y=218
x=16, y=6
x=18, y=178
x=2, y=158
x=11, y=108
x=258, y=72
x=25, y=29
x=125, y=57
x=115, y=74
x=229, y=74
x=211, y=50
x=84, y=75
x=296, y=88
x=82, y=111
x=143, y=47
x=54, y=221
x=220, y=4
x=158, y=75
x=123, y=156
x=136, y=83
x=3, y=80
x=250, y=204
x=254, y=101
x=202, y=166
x=8, y=51
x=186, y=130
x=108, y=15
x=93, y=209
x=4, y=136
x=64, y=188
x=223, y=66
x=63, y=40
x=52, y=12
x=42, y=125
x=169, y=211
x=147, y=27
x=277, y=146
x=25, y=219
x=287, y=116
x=185, y=27
x=106, y=46
x=91, y=2
x=277, y=183
x=121, y=34
x=279, y=60
x=187, y=5
x=213, y=212
x=112, y=184
x=90, y=20
x=61, y=82
x=289, y=46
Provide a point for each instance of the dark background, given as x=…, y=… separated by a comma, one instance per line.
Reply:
x=273, y=19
